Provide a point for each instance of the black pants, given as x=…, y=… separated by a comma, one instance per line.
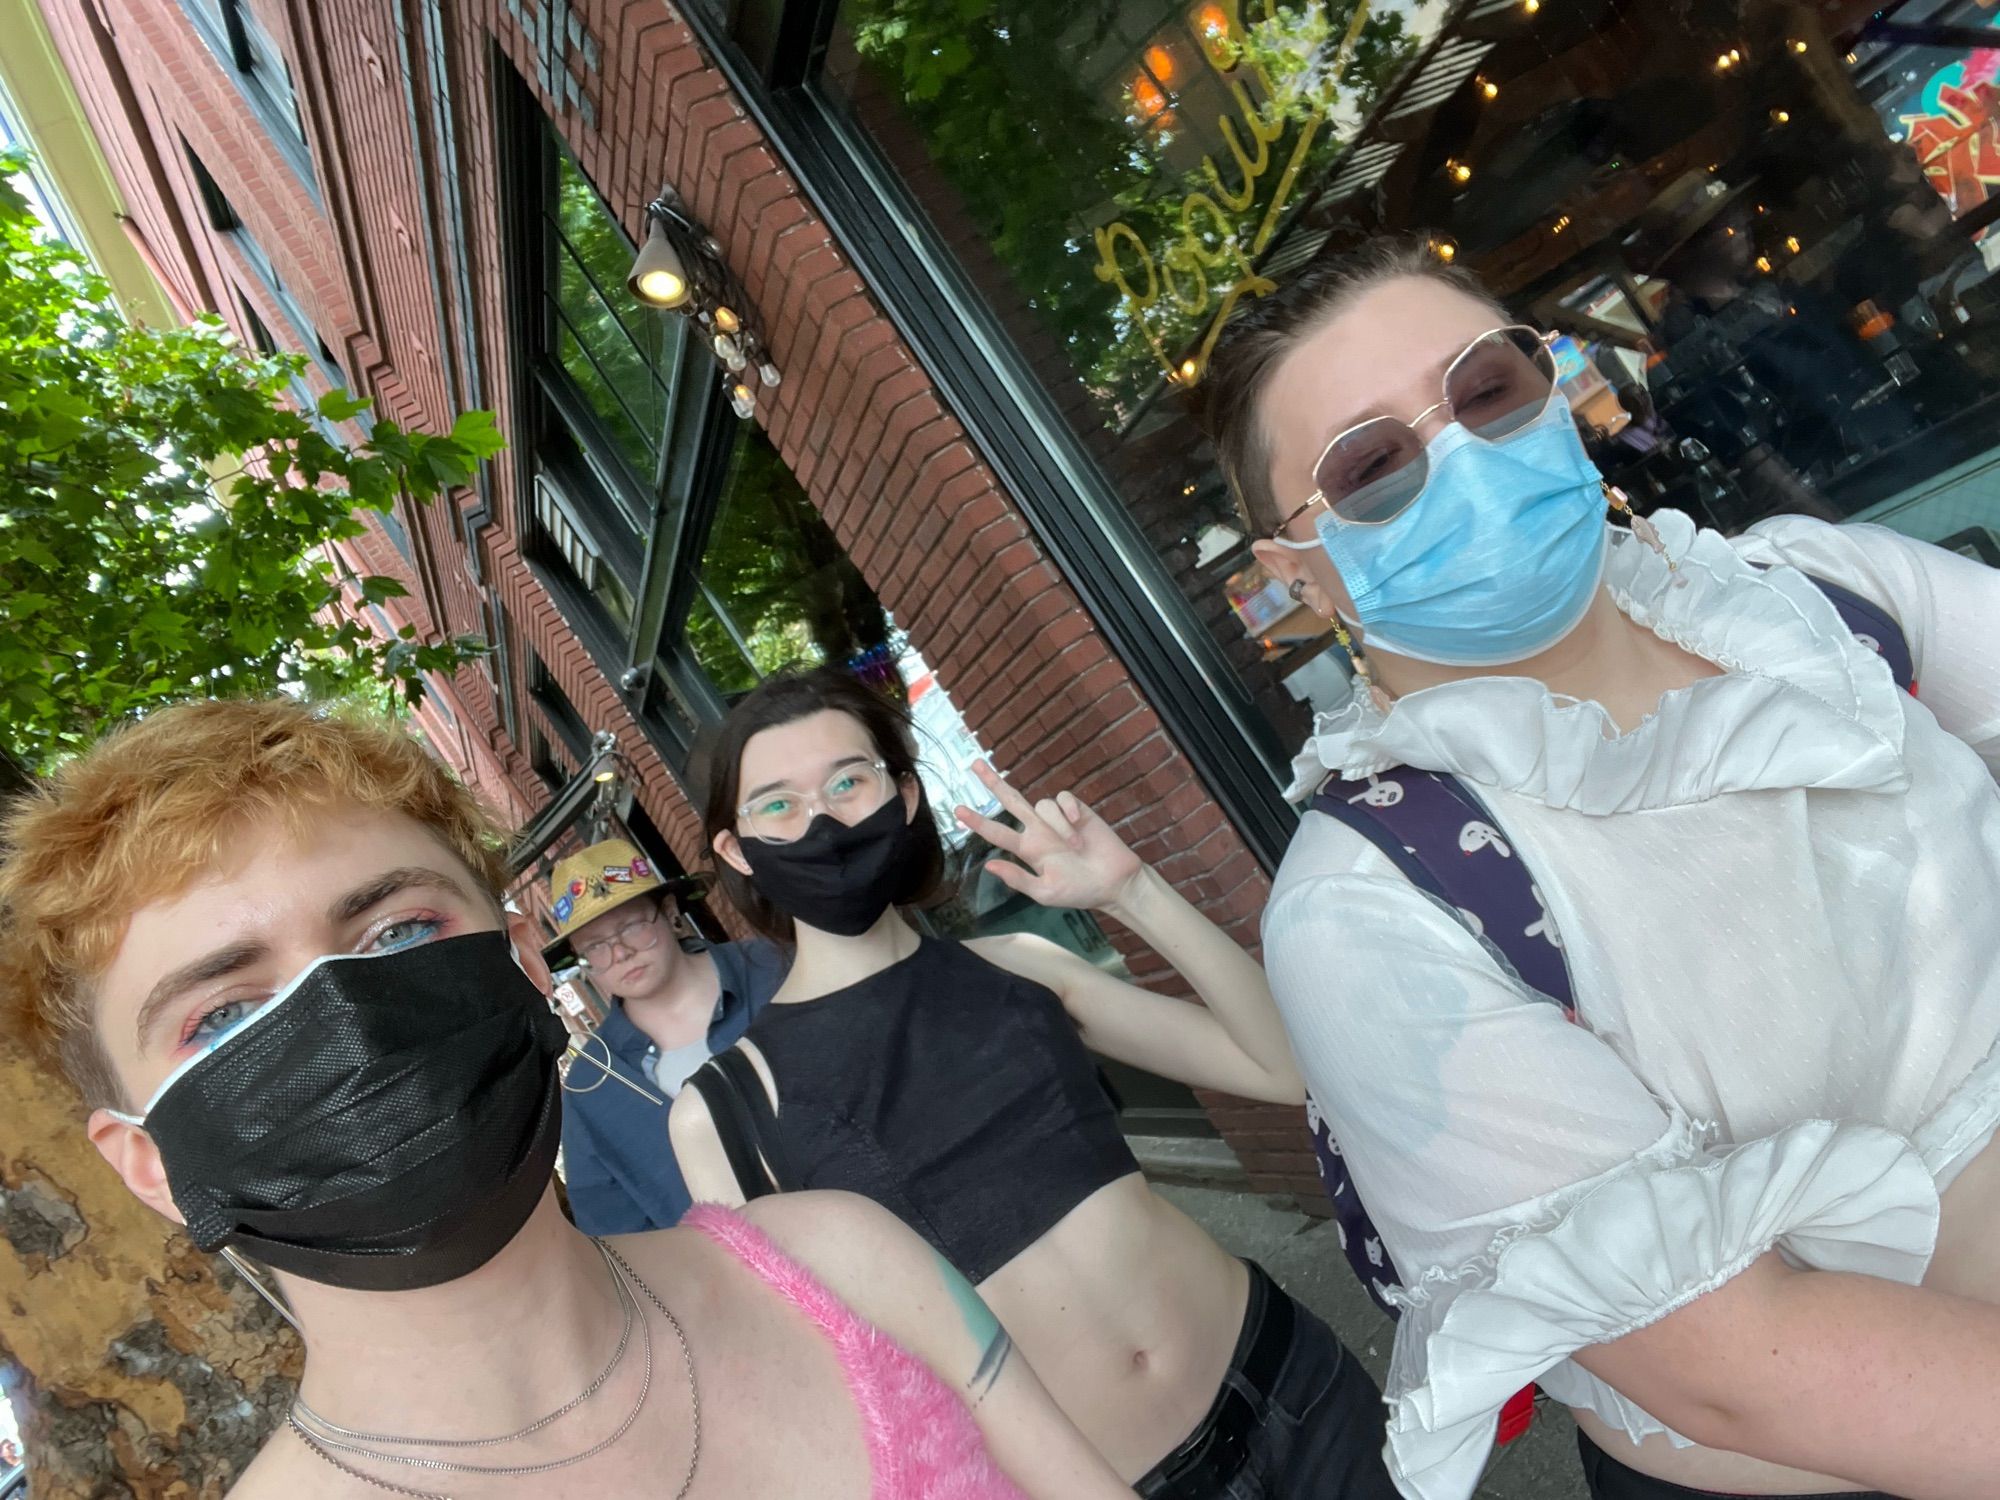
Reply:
x=1297, y=1417
x=1610, y=1480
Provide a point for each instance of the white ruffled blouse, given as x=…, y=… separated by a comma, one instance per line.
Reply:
x=1779, y=900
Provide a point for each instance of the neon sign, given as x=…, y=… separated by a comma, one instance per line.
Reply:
x=1208, y=267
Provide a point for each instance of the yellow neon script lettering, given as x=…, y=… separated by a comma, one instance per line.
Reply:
x=1183, y=267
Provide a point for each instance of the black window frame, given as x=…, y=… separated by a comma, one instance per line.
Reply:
x=256, y=63
x=770, y=51
x=569, y=466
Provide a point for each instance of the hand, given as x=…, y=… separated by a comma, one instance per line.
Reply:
x=1068, y=855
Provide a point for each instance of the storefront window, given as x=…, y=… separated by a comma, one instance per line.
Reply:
x=773, y=587
x=1762, y=230
x=619, y=354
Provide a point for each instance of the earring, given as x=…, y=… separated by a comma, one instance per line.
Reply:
x=1364, y=670
x=1297, y=589
x=1642, y=528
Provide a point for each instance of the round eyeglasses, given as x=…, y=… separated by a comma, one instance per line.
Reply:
x=1373, y=471
x=781, y=814
x=640, y=935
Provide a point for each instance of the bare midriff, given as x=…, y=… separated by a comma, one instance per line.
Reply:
x=1128, y=1312
x=1964, y=1265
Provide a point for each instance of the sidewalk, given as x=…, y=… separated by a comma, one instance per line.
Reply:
x=1304, y=1255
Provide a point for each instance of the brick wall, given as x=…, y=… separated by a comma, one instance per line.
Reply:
x=887, y=464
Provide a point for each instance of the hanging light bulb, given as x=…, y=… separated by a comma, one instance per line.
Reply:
x=729, y=352
x=1458, y=171
x=742, y=400
x=1488, y=87
x=726, y=319
x=1190, y=371
x=768, y=373
x=658, y=278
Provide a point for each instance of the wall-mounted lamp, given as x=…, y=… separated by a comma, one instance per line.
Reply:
x=659, y=277
x=680, y=268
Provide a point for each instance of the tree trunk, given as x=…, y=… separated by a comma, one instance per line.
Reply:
x=144, y=1370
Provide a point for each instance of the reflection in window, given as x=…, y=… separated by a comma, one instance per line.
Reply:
x=618, y=354
x=775, y=588
x=1762, y=229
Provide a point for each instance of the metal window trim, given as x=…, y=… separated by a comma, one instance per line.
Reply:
x=691, y=469
x=1069, y=503
x=217, y=31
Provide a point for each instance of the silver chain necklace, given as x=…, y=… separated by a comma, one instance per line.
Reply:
x=626, y=1278
x=625, y=1299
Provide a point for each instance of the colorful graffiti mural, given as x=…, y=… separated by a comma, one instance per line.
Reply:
x=1951, y=124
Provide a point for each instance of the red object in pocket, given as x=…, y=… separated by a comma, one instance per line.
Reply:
x=1517, y=1415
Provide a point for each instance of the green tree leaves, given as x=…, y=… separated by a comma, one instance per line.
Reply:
x=165, y=509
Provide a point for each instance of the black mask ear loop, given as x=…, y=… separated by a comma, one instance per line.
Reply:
x=579, y=1048
x=242, y=1268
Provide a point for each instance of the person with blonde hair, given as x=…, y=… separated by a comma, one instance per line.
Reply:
x=267, y=944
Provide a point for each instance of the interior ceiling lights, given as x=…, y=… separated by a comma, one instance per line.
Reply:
x=680, y=269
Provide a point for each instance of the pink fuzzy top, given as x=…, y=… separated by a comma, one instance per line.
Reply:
x=922, y=1441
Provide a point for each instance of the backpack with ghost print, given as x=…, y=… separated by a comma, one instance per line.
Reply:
x=1434, y=828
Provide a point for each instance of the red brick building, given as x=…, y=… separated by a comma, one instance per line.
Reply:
x=415, y=195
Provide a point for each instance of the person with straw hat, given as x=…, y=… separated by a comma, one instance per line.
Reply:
x=671, y=1010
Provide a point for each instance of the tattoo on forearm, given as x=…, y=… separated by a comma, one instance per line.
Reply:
x=994, y=1344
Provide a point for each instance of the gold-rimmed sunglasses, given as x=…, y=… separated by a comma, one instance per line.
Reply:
x=1373, y=471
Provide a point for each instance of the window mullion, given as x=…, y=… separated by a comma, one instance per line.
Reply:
x=604, y=300
x=683, y=455
x=638, y=422
x=704, y=443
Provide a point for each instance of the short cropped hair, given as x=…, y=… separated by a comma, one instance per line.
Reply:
x=1228, y=403
x=147, y=811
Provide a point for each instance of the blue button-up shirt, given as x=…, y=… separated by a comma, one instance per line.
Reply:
x=619, y=1169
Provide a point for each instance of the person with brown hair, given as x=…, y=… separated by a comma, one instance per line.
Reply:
x=1732, y=1195
x=267, y=943
x=950, y=1082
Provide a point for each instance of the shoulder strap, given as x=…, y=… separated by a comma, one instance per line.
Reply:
x=1875, y=628
x=1438, y=833
x=1433, y=829
x=744, y=1123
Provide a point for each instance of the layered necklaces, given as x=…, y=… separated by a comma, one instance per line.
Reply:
x=329, y=1439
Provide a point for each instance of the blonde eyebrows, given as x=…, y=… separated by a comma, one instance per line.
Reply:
x=154, y=805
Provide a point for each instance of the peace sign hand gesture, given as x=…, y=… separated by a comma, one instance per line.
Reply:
x=1068, y=855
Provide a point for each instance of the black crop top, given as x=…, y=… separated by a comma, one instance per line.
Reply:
x=955, y=1094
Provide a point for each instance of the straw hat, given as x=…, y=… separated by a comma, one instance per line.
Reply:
x=601, y=879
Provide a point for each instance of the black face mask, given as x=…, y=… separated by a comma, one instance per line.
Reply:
x=840, y=879
x=388, y=1123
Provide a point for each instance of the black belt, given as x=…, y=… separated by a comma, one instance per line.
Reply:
x=1215, y=1452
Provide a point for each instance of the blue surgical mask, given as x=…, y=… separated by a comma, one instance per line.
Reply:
x=1496, y=560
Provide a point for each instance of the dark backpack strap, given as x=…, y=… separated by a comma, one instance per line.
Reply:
x=1874, y=627
x=1443, y=839
x=1436, y=832
x=744, y=1123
